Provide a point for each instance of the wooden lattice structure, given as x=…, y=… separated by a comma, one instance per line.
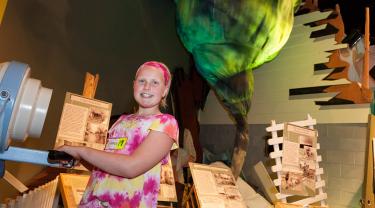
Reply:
x=275, y=141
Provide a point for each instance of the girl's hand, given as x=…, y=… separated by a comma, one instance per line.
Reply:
x=74, y=151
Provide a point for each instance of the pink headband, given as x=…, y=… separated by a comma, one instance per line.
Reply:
x=158, y=65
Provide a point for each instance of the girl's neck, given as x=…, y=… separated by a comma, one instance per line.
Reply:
x=147, y=112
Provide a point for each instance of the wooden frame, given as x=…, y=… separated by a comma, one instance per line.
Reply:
x=275, y=141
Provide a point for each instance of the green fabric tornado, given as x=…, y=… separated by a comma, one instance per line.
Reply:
x=229, y=38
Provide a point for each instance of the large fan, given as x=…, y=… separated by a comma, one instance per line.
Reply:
x=23, y=108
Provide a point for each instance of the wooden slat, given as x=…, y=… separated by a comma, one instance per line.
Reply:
x=3, y=4
x=319, y=171
x=366, y=67
x=311, y=200
x=15, y=182
x=320, y=184
x=282, y=196
x=91, y=83
x=276, y=168
x=277, y=140
x=319, y=158
x=280, y=126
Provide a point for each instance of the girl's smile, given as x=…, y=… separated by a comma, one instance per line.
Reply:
x=149, y=89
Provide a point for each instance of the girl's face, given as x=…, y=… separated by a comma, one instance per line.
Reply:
x=149, y=87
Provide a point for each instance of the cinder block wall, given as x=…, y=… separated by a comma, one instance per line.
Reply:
x=342, y=148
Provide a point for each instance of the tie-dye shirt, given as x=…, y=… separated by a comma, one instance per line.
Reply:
x=129, y=131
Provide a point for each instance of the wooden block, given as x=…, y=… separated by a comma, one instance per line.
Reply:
x=268, y=187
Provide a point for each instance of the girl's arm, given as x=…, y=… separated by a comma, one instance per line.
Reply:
x=87, y=165
x=152, y=150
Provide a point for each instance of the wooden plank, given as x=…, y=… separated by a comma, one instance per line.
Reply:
x=3, y=4
x=368, y=185
x=274, y=141
x=269, y=189
x=280, y=126
x=365, y=72
x=193, y=198
x=320, y=184
x=15, y=182
x=285, y=205
x=312, y=200
x=91, y=83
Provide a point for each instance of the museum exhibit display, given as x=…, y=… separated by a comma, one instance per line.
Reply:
x=299, y=173
x=274, y=103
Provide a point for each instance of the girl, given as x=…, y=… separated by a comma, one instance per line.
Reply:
x=127, y=172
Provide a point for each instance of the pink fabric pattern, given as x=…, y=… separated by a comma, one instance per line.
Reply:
x=106, y=190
